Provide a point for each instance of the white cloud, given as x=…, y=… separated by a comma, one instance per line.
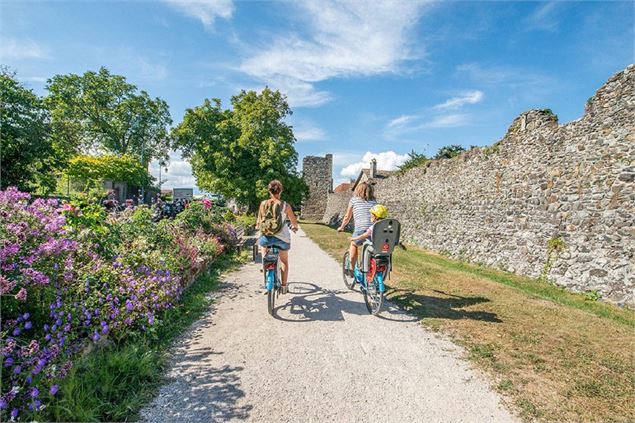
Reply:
x=179, y=174
x=299, y=93
x=517, y=82
x=466, y=97
x=152, y=71
x=205, y=11
x=387, y=160
x=544, y=17
x=447, y=121
x=14, y=49
x=345, y=38
x=408, y=124
x=309, y=133
x=401, y=121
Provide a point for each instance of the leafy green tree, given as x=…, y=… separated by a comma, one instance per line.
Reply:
x=414, y=160
x=99, y=111
x=27, y=155
x=237, y=152
x=449, y=151
x=94, y=169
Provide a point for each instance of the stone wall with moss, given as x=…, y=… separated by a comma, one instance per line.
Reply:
x=547, y=200
x=336, y=205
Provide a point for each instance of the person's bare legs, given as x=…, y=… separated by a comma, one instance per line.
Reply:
x=352, y=252
x=284, y=260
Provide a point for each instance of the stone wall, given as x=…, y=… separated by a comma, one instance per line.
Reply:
x=317, y=173
x=336, y=206
x=503, y=205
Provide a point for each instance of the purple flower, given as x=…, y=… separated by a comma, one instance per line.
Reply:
x=34, y=392
x=8, y=362
x=35, y=405
x=28, y=325
x=54, y=389
x=14, y=413
x=96, y=337
x=17, y=370
x=16, y=331
x=3, y=403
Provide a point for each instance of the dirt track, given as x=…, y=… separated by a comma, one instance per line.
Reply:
x=323, y=359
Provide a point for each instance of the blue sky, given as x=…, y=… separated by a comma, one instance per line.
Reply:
x=363, y=78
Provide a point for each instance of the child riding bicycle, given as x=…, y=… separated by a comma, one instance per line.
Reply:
x=377, y=213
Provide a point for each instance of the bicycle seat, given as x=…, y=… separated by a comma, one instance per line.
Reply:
x=270, y=258
x=271, y=255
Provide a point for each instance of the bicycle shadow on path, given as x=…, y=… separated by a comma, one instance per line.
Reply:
x=307, y=302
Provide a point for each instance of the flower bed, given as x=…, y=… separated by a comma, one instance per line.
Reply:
x=73, y=275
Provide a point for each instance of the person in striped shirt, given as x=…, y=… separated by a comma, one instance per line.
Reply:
x=359, y=209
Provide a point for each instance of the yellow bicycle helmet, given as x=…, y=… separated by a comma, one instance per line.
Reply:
x=379, y=211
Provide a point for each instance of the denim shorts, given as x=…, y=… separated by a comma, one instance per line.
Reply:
x=272, y=241
x=358, y=233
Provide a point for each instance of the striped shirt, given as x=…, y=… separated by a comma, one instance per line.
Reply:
x=361, y=212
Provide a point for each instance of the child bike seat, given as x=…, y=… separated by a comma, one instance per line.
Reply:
x=386, y=235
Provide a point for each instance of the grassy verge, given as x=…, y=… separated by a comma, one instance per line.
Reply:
x=556, y=355
x=113, y=383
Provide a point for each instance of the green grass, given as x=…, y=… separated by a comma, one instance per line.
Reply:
x=557, y=355
x=114, y=382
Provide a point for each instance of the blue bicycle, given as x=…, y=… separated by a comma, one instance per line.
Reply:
x=375, y=264
x=273, y=276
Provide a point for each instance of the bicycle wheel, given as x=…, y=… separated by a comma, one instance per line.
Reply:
x=349, y=280
x=271, y=294
x=373, y=297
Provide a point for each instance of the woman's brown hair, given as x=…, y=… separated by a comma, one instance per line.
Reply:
x=365, y=191
x=275, y=187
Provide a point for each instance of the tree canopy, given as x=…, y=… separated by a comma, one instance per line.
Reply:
x=26, y=152
x=102, y=112
x=116, y=168
x=237, y=152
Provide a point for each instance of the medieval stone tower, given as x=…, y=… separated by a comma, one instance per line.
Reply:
x=318, y=175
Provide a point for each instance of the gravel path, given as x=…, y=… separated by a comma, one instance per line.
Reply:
x=324, y=359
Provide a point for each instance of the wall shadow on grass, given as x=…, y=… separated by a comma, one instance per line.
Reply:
x=443, y=306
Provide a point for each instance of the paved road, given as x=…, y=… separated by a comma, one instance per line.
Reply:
x=323, y=359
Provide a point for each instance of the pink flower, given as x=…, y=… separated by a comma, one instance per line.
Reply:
x=33, y=347
x=207, y=203
x=21, y=295
x=6, y=285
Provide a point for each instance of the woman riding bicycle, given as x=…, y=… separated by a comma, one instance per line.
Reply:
x=272, y=216
x=359, y=209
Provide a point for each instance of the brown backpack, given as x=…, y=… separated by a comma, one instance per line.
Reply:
x=271, y=219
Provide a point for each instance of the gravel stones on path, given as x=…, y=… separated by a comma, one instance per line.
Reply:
x=324, y=358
